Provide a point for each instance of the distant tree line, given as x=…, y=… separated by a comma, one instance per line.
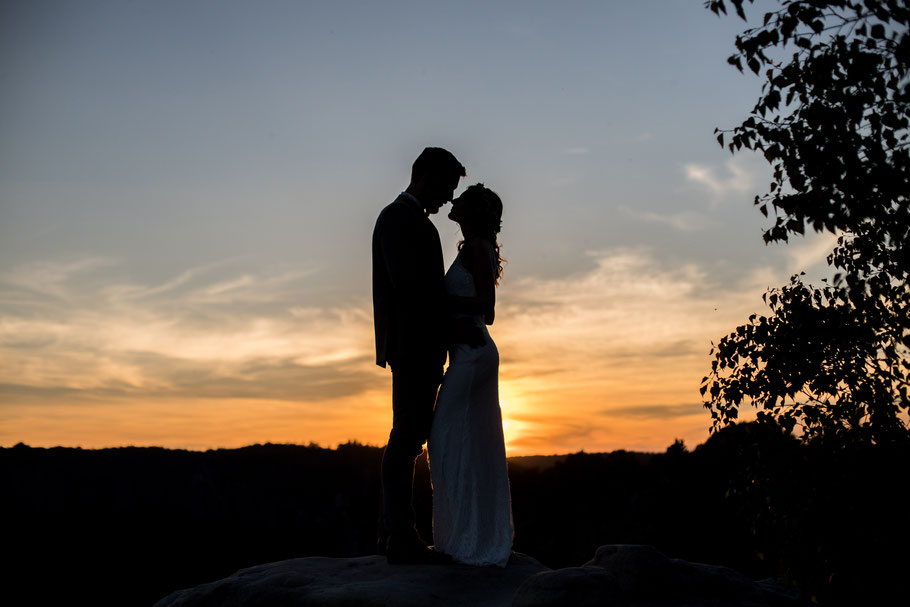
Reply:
x=128, y=526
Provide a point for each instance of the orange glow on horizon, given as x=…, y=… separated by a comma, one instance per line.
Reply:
x=233, y=423
x=603, y=360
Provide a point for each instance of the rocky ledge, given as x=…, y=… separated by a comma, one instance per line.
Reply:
x=620, y=575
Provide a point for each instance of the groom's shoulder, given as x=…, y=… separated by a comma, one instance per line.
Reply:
x=397, y=210
x=398, y=205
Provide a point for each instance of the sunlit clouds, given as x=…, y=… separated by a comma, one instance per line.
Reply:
x=602, y=359
x=197, y=341
x=617, y=351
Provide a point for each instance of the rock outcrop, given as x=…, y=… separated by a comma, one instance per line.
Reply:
x=642, y=576
x=621, y=575
x=365, y=581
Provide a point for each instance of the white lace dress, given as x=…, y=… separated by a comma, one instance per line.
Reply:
x=472, y=509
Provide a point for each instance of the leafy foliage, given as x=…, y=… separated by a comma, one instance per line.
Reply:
x=832, y=121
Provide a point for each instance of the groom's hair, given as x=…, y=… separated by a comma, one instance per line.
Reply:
x=436, y=161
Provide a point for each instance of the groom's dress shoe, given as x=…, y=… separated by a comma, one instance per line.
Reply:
x=413, y=552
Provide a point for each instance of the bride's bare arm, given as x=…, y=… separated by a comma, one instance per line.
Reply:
x=478, y=260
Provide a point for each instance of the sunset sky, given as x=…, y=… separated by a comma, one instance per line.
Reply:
x=187, y=193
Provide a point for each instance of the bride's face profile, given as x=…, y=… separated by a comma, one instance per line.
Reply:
x=467, y=213
x=473, y=212
x=457, y=212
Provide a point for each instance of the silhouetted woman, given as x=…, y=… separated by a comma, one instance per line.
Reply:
x=472, y=511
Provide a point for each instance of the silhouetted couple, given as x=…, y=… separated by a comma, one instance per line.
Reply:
x=421, y=314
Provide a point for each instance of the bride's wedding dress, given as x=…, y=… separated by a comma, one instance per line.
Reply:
x=472, y=510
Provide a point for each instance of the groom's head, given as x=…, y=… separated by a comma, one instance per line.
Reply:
x=434, y=177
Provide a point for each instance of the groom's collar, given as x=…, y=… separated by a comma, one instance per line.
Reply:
x=412, y=201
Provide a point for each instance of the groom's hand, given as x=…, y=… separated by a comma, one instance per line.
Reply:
x=464, y=331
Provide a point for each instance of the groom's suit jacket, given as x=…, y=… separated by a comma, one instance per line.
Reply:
x=409, y=301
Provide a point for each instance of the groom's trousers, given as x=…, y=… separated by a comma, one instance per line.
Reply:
x=414, y=388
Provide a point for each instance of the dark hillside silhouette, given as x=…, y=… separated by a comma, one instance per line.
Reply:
x=128, y=526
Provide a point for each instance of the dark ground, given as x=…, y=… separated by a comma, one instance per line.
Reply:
x=128, y=526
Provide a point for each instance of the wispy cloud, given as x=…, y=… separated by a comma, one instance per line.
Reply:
x=538, y=437
x=198, y=334
x=809, y=251
x=655, y=411
x=52, y=278
x=684, y=221
x=736, y=177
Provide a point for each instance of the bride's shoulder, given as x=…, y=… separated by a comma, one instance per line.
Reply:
x=478, y=246
x=477, y=253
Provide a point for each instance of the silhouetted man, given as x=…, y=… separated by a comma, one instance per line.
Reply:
x=410, y=318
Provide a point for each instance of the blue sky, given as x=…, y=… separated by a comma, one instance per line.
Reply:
x=187, y=191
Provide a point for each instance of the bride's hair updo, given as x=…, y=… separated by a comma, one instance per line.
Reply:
x=486, y=217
